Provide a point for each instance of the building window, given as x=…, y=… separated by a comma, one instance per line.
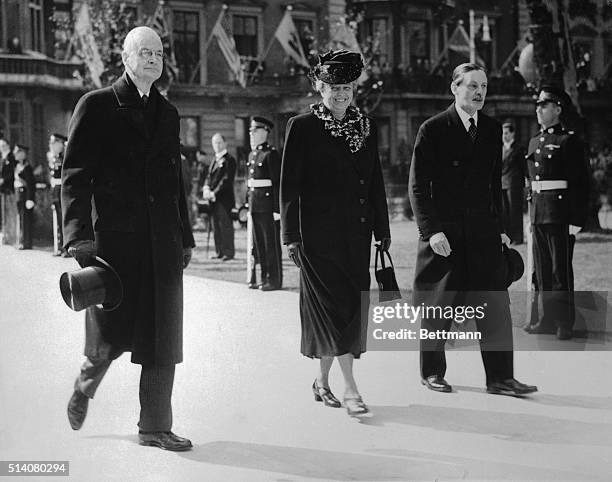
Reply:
x=11, y=120
x=378, y=33
x=186, y=35
x=37, y=33
x=306, y=29
x=245, y=29
x=417, y=44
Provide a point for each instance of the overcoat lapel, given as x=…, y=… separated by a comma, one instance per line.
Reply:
x=163, y=123
x=130, y=105
x=460, y=138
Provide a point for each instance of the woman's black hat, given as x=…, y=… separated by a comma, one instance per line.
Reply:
x=338, y=67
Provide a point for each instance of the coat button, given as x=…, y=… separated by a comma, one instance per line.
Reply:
x=361, y=181
x=537, y=178
x=267, y=194
x=537, y=151
x=541, y=139
x=363, y=220
x=260, y=164
x=362, y=200
x=549, y=156
x=537, y=164
x=173, y=160
x=560, y=196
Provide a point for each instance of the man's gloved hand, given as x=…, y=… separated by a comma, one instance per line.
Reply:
x=293, y=251
x=385, y=244
x=440, y=244
x=187, y=252
x=573, y=230
x=29, y=204
x=276, y=216
x=83, y=251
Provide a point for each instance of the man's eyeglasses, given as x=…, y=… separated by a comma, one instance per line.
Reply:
x=148, y=53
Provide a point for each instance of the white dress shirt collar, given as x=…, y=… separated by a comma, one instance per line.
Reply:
x=221, y=154
x=465, y=117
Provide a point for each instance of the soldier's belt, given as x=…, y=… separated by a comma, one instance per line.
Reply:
x=538, y=186
x=56, y=182
x=259, y=183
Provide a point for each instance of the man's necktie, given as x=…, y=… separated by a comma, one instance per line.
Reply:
x=472, y=130
x=145, y=100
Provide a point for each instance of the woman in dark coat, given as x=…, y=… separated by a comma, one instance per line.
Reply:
x=332, y=199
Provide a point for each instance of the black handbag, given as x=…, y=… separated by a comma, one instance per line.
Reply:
x=385, y=277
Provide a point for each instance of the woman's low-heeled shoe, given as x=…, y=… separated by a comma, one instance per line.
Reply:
x=355, y=407
x=323, y=394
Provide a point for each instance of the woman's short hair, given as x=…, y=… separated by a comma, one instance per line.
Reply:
x=463, y=69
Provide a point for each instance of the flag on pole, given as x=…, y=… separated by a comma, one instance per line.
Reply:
x=228, y=49
x=160, y=24
x=91, y=55
x=459, y=42
x=288, y=36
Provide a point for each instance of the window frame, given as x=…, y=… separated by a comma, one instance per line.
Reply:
x=36, y=6
x=202, y=32
x=250, y=11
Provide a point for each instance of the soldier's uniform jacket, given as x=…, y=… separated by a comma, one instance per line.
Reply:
x=556, y=154
x=55, y=176
x=24, y=182
x=264, y=163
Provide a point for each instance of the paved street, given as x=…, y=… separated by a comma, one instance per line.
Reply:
x=243, y=396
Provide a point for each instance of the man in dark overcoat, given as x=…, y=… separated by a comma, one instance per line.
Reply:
x=7, y=178
x=57, y=144
x=263, y=179
x=123, y=154
x=219, y=189
x=559, y=186
x=455, y=192
x=25, y=190
x=513, y=183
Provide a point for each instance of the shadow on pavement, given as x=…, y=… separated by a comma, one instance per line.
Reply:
x=513, y=427
x=386, y=464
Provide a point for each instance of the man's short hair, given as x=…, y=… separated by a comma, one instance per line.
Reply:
x=509, y=125
x=218, y=134
x=463, y=69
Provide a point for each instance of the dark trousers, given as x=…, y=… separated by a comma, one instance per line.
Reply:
x=24, y=226
x=267, y=243
x=512, y=213
x=553, y=301
x=496, y=346
x=155, y=392
x=223, y=230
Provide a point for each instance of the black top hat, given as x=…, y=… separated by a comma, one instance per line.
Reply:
x=555, y=94
x=513, y=265
x=95, y=284
x=59, y=137
x=338, y=67
x=260, y=121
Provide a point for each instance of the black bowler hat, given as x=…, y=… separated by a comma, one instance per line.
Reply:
x=555, y=94
x=59, y=137
x=96, y=284
x=338, y=67
x=513, y=265
x=259, y=121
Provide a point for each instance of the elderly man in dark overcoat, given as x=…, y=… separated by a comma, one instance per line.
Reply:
x=455, y=192
x=123, y=154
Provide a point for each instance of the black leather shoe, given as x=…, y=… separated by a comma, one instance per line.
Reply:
x=324, y=394
x=227, y=258
x=253, y=286
x=437, y=384
x=77, y=409
x=538, y=329
x=269, y=287
x=564, y=333
x=510, y=387
x=165, y=441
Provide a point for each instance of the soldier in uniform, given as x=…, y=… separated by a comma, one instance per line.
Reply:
x=558, y=176
x=57, y=143
x=7, y=171
x=264, y=167
x=25, y=188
